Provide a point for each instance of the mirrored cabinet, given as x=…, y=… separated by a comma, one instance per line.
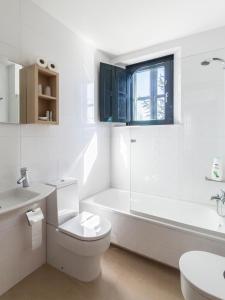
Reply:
x=9, y=91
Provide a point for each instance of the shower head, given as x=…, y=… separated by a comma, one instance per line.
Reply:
x=208, y=61
x=218, y=59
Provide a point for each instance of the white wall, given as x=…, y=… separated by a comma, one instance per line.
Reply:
x=172, y=161
x=79, y=146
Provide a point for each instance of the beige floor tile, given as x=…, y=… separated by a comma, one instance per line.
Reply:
x=125, y=276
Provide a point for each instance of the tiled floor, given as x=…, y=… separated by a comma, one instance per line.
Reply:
x=125, y=276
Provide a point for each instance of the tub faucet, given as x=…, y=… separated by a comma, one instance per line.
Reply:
x=220, y=203
x=219, y=197
x=24, y=178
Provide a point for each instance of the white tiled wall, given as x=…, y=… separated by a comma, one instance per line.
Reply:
x=172, y=161
x=79, y=146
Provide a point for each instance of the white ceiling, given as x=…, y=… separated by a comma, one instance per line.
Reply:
x=120, y=26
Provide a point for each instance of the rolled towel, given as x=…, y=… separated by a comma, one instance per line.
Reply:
x=52, y=66
x=42, y=62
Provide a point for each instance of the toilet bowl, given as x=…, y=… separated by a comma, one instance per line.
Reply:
x=202, y=276
x=75, y=241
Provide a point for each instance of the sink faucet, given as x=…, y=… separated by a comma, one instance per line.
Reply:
x=24, y=178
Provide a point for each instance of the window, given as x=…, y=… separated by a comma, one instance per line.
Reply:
x=150, y=86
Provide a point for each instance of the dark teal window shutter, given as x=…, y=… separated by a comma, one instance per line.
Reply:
x=119, y=106
x=106, y=92
x=113, y=94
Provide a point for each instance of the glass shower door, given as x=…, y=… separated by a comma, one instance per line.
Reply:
x=143, y=162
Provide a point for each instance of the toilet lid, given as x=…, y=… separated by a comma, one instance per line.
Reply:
x=86, y=226
x=205, y=271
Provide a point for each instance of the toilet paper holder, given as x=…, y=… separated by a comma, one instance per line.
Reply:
x=34, y=215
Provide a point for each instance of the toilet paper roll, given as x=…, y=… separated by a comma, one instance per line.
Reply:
x=42, y=62
x=52, y=66
x=35, y=218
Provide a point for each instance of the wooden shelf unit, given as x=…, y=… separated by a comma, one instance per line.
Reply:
x=34, y=104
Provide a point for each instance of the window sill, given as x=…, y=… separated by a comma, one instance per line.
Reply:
x=156, y=125
x=144, y=126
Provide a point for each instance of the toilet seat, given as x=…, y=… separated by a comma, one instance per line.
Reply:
x=86, y=227
x=203, y=273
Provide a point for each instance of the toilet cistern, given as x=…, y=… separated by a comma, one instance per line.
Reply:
x=24, y=177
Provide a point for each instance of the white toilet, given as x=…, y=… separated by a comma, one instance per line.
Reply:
x=202, y=276
x=75, y=242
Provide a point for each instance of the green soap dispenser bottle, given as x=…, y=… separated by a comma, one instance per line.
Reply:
x=217, y=170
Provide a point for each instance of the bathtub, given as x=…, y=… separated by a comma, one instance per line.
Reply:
x=159, y=228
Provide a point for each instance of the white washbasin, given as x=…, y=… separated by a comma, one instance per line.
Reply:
x=15, y=196
x=19, y=197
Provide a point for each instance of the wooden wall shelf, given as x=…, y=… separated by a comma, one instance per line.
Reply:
x=47, y=122
x=34, y=104
x=41, y=96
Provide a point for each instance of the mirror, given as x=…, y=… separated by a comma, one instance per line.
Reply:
x=9, y=92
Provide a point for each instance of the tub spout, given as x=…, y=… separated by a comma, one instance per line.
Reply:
x=220, y=201
x=219, y=197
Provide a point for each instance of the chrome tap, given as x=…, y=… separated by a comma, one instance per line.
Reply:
x=219, y=197
x=220, y=201
x=24, y=178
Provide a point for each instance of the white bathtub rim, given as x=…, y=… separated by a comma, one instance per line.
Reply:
x=210, y=204
x=211, y=235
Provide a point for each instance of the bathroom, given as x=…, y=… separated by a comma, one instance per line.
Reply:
x=150, y=185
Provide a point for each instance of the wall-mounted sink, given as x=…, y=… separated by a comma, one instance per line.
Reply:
x=19, y=197
x=15, y=196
